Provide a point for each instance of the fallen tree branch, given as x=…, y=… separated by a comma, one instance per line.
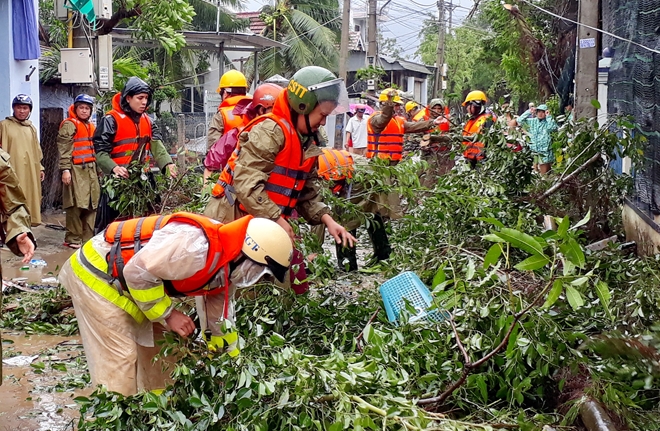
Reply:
x=107, y=25
x=569, y=177
x=361, y=335
x=470, y=366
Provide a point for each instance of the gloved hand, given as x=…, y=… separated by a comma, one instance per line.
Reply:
x=223, y=343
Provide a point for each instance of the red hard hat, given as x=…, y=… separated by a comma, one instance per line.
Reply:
x=265, y=95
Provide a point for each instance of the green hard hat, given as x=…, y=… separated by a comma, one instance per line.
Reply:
x=437, y=101
x=311, y=85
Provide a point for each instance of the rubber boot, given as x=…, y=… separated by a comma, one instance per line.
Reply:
x=378, y=235
x=347, y=253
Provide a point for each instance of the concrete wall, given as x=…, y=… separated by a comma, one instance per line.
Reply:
x=642, y=229
x=12, y=72
x=55, y=96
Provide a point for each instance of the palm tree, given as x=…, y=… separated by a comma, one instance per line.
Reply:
x=309, y=28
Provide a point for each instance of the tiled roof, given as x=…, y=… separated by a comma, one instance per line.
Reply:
x=355, y=42
x=257, y=26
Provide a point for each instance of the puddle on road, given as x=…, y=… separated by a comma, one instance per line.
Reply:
x=12, y=268
x=40, y=396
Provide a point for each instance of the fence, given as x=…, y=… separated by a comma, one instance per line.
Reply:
x=634, y=83
x=51, y=187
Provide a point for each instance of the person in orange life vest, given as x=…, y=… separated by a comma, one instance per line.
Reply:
x=80, y=190
x=126, y=134
x=121, y=283
x=233, y=90
x=272, y=172
x=261, y=103
x=480, y=119
x=385, y=130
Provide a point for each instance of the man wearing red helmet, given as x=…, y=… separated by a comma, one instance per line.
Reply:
x=261, y=103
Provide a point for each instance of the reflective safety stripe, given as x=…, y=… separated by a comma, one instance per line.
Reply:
x=156, y=312
x=148, y=295
x=127, y=141
x=87, y=138
x=100, y=286
x=230, y=340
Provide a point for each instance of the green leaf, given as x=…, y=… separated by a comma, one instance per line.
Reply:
x=595, y=103
x=604, y=295
x=573, y=252
x=495, y=222
x=574, y=297
x=579, y=281
x=521, y=241
x=493, y=238
x=553, y=295
x=439, y=276
x=532, y=263
x=582, y=222
x=563, y=226
x=493, y=255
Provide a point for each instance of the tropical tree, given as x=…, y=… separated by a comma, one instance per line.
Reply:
x=308, y=28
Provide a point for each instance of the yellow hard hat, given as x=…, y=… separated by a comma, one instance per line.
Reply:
x=411, y=105
x=384, y=96
x=475, y=96
x=232, y=78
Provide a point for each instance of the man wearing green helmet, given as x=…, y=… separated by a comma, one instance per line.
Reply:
x=272, y=172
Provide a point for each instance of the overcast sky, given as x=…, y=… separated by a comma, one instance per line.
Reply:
x=405, y=18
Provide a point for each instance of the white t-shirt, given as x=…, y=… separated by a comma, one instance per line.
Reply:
x=358, y=131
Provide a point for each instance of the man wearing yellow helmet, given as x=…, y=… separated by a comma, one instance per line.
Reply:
x=479, y=118
x=412, y=108
x=233, y=90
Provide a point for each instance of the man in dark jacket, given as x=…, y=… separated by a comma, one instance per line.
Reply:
x=126, y=134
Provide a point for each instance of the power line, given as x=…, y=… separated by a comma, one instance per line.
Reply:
x=592, y=28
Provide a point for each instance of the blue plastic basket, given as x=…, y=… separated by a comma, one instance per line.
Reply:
x=408, y=286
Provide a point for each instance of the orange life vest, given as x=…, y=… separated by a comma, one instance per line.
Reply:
x=229, y=119
x=474, y=126
x=225, y=242
x=132, y=141
x=335, y=165
x=83, y=147
x=287, y=179
x=387, y=144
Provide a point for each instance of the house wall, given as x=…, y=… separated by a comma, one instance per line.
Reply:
x=641, y=228
x=12, y=72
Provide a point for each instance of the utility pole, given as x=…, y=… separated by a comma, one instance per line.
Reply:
x=345, y=38
x=372, y=33
x=586, y=68
x=437, y=84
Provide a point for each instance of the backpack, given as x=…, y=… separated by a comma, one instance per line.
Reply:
x=219, y=153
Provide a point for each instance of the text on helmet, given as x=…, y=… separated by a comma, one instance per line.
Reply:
x=297, y=89
x=250, y=242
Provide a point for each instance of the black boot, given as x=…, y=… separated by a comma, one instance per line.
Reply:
x=347, y=253
x=379, y=240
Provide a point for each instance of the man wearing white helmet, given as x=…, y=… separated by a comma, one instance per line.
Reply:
x=122, y=280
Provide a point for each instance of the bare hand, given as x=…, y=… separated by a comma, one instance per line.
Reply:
x=42, y=175
x=26, y=246
x=338, y=232
x=171, y=169
x=287, y=228
x=440, y=120
x=120, y=171
x=180, y=323
x=66, y=178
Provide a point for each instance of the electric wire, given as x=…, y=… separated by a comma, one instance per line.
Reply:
x=593, y=28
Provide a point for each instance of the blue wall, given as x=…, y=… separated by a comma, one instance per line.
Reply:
x=12, y=72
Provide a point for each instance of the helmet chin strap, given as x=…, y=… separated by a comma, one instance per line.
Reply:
x=313, y=135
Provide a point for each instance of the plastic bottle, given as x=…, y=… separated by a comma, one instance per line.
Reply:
x=35, y=273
